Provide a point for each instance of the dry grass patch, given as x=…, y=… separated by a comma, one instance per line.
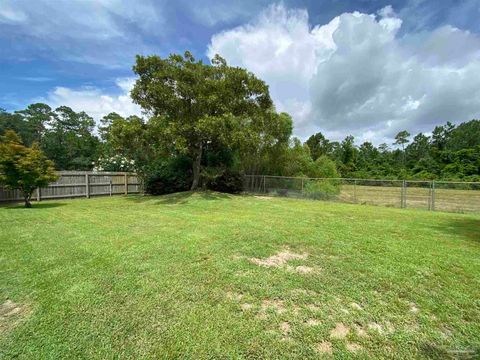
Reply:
x=352, y=347
x=324, y=347
x=246, y=307
x=313, y=322
x=340, y=331
x=413, y=308
x=234, y=296
x=301, y=269
x=280, y=259
x=10, y=314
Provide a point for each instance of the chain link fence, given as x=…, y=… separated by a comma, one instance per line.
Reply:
x=428, y=195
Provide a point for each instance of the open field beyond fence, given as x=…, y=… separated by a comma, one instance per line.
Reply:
x=428, y=195
x=215, y=276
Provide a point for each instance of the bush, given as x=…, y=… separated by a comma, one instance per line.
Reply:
x=322, y=189
x=229, y=181
x=167, y=176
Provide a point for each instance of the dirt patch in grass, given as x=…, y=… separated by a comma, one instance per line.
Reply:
x=285, y=328
x=277, y=305
x=340, y=331
x=246, y=307
x=262, y=197
x=10, y=314
x=324, y=347
x=375, y=327
x=313, y=307
x=280, y=259
x=360, y=331
x=352, y=347
x=234, y=296
x=301, y=269
x=356, y=306
x=274, y=305
x=413, y=308
x=313, y=322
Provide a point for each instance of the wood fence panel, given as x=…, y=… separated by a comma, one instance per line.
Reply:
x=71, y=184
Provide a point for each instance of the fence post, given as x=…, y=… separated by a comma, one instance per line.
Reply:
x=39, y=194
x=433, y=195
x=355, y=191
x=110, y=187
x=402, y=195
x=302, y=186
x=264, y=186
x=126, y=184
x=87, y=186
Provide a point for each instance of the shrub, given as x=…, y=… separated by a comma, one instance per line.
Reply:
x=229, y=181
x=322, y=189
x=23, y=168
x=167, y=176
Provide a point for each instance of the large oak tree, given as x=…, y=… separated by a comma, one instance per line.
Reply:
x=200, y=103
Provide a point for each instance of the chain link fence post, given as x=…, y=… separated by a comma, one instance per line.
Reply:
x=433, y=196
x=355, y=191
x=403, y=196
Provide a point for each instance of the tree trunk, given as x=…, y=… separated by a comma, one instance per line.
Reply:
x=27, y=197
x=196, y=167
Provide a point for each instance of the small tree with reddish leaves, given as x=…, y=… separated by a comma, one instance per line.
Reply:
x=23, y=168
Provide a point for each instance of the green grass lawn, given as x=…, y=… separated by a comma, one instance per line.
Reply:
x=209, y=275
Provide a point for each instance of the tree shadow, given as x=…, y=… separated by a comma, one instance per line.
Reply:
x=180, y=197
x=35, y=205
x=467, y=228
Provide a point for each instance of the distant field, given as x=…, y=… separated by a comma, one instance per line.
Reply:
x=208, y=275
x=445, y=199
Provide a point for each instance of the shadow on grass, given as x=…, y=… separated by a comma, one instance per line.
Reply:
x=180, y=197
x=467, y=228
x=43, y=205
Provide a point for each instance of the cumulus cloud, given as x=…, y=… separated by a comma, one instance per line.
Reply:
x=355, y=74
x=94, y=101
x=105, y=32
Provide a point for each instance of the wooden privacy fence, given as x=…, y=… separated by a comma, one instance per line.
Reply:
x=72, y=184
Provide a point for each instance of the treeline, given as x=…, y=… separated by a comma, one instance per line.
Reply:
x=449, y=153
x=74, y=142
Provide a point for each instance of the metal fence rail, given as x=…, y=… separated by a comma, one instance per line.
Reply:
x=429, y=195
x=72, y=184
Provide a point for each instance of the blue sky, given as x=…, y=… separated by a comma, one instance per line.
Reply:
x=364, y=67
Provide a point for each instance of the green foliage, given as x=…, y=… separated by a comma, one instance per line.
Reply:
x=168, y=175
x=65, y=136
x=23, y=168
x=324, y=167
x=229, y=181
x=322, y=189
x=199, y=103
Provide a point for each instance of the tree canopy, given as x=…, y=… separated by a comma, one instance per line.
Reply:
x=200, y=104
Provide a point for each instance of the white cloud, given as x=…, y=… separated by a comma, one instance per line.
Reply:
x=94, y=101
x=355, y=75
x=105, y=32
x=10, y=15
